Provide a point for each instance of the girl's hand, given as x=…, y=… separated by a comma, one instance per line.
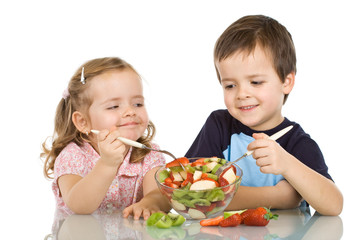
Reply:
x=111, y=149
x=144, y=209
x=269, y=155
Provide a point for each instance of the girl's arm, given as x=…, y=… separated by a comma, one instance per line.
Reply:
x=153, y=200
x=280, y=196
x=84, y=195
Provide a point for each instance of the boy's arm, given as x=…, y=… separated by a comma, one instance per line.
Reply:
x=321, y=193
x=280, y=196
x=153, y=200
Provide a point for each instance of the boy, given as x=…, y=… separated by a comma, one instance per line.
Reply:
x=255, y=62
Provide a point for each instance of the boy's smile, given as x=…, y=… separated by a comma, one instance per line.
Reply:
x=253, y=92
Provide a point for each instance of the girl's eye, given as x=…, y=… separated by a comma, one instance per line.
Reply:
x=113, y=107
x=229, y=86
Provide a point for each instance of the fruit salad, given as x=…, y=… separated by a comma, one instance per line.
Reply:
x=196, y=192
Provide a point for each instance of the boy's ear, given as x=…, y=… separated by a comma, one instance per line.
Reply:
x=289, y=83
x=80, y=122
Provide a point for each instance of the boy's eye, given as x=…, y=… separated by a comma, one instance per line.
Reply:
x=138, y=104
x=256, y=82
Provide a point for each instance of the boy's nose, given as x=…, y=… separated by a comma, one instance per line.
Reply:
x=242, y=93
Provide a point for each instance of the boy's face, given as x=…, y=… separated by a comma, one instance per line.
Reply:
x=253, y=92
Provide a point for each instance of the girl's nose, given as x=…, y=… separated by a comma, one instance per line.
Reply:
x=129, y=111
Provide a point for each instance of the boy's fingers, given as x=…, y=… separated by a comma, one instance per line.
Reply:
x=260, y=136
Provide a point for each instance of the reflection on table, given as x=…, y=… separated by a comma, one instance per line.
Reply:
x=292, y=224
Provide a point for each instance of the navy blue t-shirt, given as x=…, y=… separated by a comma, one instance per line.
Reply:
x=225, y=137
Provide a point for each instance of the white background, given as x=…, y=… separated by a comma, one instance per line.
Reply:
x=170, y=43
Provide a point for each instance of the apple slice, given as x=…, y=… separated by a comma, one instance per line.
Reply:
x=210, y=166
x=176, y=177
x=197, y=175
x=183, y=174
x=229, y=175
x=177, y=205
x=196, y=214
x=203, y=185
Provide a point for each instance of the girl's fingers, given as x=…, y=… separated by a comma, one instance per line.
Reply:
x=146, y=213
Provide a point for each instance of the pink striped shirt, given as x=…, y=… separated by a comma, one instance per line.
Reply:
x=126, y=187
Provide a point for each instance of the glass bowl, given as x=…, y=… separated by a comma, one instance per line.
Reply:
x=209, y=201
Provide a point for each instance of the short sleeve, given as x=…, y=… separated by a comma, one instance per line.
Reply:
x=211, y=139
x=71, y=160
x=153, y=159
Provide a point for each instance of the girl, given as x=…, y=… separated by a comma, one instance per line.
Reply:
x=99, y=171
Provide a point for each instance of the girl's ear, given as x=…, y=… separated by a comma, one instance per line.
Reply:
x=289, y=83
x=80, y=122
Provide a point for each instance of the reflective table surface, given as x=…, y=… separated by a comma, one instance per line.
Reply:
x=291, y=224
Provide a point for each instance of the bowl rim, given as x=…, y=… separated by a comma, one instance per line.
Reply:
x=162, y=167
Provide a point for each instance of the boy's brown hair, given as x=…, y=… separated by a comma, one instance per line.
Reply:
x=248, y=32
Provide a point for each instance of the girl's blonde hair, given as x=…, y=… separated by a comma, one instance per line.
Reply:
x=77, y=99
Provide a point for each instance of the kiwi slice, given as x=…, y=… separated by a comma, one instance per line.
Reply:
x=176, y=169
x=163, y=175
x=164, y=222
x=213, y=171
x=154, y=218
x=190, y=169
x=179, y=193
x=212, y=176
x=215, y=195
x=176, y=219
x=186, y=202
x=201, y=202
x=194, y=194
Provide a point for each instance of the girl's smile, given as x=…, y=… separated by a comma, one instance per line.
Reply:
x=118, y=103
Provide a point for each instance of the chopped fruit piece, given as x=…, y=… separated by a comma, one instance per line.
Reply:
x=203, y=185
x=228, y=214
x=176, y=169
x=163, y=175
x=196, y=214
x=154, y=218
x=217, y=166
x=176, y=163
x=183, y=174
x=197, y=175
x=259, y=217
x=176, y=219
x=164, y=222
x=211, y=221
x=229, y=175
x=210, y=166
x=177, y=205
x=231, y=221
x=175, y=176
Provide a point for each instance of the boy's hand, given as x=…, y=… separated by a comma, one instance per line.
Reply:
x=111, y=149
x=269, y=155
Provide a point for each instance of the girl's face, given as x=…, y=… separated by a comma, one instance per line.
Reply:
x=253, y=92
x=118, y=103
